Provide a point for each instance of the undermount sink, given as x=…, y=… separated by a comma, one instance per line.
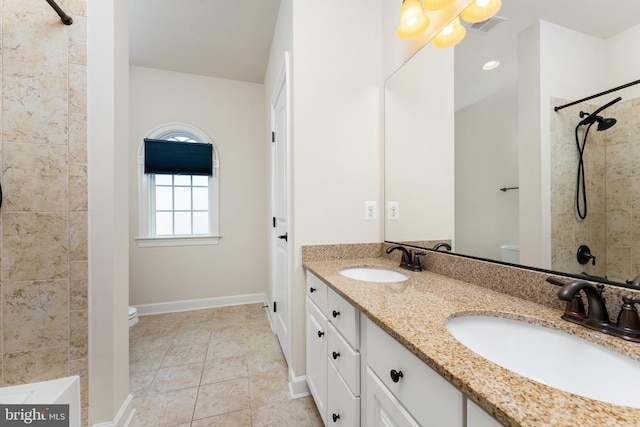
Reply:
x=370, y=274
x=551, y=357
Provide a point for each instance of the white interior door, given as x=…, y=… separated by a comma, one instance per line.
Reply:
x=281, y=233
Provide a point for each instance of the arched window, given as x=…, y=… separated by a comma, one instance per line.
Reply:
x=178, y=187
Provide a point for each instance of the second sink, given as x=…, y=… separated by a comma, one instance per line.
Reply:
x=551, y=357
x=370, y=274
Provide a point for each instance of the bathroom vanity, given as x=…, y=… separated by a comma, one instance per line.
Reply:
x=403, y=367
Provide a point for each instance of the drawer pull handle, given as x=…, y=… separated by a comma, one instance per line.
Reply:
x=312, y=290
x=335, y=314
x=335, y=355
x=396, y=375
x=320, y=334
x=335, y=417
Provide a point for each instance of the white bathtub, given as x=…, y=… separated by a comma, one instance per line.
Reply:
x=61, y=391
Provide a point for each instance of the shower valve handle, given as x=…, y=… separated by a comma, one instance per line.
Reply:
x=584, y=255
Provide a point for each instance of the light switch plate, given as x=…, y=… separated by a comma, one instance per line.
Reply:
x=370, y=211
x=393, y=211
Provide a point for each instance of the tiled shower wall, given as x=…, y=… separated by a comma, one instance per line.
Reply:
x=612, y=168
x=43, y=246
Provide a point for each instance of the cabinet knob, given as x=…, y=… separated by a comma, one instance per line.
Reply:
x=312, y=290
x=335, y=417
x=335, y=355
x=320, y=334
x=335, y=314
x=396, y=375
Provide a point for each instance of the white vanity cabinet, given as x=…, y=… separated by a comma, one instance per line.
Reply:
x=477, y=417
x=401, y=386
x=316, y=340
x=333, y=359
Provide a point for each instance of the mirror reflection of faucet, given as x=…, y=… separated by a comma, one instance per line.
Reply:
x=444, y=245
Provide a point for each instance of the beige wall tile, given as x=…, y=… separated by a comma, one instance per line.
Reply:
x=78, y=41
x=78, y=236
x=35, y=315
x=34, y=246
x=619, y=230
x=78, y=138
x=33, y=44
x=77, y=7
x=78, y=285
x=34, y=110
x=35, y=365
x=78, y=200
x=78, y=335
x=77, y=89
x=619, y=195
x=34, y=178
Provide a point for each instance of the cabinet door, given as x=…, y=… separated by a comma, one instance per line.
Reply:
x=477, y=417
x=383, y=409
x=317, y=357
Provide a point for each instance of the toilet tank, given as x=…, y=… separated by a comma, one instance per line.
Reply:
x=510, y=253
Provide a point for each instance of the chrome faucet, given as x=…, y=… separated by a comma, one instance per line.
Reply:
x=627, y=325
x=410, y=259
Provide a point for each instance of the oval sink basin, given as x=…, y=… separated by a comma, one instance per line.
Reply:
x=552, y=358
x=369, y=274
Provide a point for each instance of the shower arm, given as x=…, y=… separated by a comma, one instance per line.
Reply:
x=66, y=19
x=590, y=117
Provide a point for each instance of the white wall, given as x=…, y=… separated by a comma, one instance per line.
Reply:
x=107, y=120
x=622, y=63
x=487, y=160
x=232, y=114
x=419, y=147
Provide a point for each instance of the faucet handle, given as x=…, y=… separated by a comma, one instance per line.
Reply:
x=628, y=317
x=575, y=307
x=416, y=260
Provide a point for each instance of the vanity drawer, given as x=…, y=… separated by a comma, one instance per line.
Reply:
x=343, y=408
x=429, y=398
x=317, y=291
x=345, y=359
x=344, y=317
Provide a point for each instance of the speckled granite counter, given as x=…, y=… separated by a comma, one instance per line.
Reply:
x=414, y=312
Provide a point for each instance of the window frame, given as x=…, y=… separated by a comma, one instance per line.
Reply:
x=146, y=209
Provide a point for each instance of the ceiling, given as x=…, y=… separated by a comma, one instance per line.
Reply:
x=228, y=39
x=598, y=18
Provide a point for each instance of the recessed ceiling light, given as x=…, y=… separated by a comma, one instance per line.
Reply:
x=491, y=65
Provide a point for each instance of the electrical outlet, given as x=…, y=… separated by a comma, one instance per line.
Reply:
x=393, y=211
x=370, y=211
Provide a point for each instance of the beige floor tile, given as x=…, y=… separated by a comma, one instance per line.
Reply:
x=183, y=355
x=292, y=413
x=234, y=345
x=235, y=419
x=166, y=409
x=139, y=381
x=221, y=398
x=192, y=337
x=176, y=378
x=149, y=361
x=267, y=363
x=267, y=389
x=228, y=368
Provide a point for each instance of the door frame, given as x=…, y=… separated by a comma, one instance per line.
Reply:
x=283, y=83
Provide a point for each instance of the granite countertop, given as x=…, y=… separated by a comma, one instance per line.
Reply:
x=414, y=312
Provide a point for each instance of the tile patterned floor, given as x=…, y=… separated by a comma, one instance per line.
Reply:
x=214, y=367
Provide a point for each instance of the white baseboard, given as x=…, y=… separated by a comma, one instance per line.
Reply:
x=298, y=385
x=199, y=304
x=124, y=415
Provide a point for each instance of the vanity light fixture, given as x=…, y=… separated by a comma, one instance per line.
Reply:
x=481, y=10
x=413, y=20
x=436, y=4
x=450, y=35
x=491, y=65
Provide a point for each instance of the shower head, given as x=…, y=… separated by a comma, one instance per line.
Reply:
x=603, y=124
x=593, y=117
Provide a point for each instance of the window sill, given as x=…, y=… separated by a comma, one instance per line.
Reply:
x=150, y=242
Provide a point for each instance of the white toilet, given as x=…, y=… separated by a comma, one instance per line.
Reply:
x=510, y=253
x=133, y=316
